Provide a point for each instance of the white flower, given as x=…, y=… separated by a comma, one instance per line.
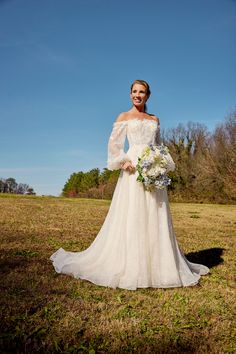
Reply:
x=153, y=165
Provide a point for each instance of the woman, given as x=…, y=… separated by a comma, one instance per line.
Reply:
x=136, y=246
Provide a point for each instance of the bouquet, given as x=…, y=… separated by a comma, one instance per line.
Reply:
x=153, y=166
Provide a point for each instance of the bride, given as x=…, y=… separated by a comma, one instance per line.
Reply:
x=136, y=246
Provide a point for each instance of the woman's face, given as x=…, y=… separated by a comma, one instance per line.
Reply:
x=139, y=95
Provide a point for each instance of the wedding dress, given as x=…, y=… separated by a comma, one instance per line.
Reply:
x=136, y=246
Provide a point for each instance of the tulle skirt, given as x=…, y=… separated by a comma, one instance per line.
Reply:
x=136, y=246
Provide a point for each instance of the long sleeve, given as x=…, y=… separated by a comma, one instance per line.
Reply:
x=116, y=154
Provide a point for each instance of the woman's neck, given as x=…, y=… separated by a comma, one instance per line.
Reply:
x=137, y=110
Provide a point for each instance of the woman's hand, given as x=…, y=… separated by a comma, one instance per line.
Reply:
x=127, y=166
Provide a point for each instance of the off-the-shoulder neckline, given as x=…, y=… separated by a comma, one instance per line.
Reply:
x=144, y=119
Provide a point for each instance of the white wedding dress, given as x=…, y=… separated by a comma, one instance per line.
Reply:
x=136, y=246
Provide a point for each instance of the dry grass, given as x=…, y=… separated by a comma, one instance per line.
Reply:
x=43, y=312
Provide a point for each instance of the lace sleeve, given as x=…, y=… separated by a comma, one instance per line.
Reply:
x=116, y=154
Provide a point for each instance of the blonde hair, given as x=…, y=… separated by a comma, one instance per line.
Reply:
x=145, y=84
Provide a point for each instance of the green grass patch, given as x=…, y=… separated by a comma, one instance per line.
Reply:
x=45, y=312
x=26, y=253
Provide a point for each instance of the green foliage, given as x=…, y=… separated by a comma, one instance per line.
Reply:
x=90, y=179
x=140, y=178
x=81, y=182
x=26, y=253
x=71, y=188
x=104, y=177
x=91, y=184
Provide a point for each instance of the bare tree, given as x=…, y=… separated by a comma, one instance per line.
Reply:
x=22, y=188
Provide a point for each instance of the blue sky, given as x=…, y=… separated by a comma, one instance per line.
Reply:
x=66, y=69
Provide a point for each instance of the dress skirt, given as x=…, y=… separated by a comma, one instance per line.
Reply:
x=136, y=246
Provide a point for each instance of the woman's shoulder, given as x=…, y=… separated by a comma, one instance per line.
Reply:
x=154, y=117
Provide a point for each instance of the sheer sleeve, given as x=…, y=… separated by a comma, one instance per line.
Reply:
x=116, y=154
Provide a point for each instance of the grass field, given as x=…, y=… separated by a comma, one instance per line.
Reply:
x=43, y=312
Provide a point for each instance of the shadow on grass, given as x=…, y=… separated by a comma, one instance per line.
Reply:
x=8, y=265
x=169, y=343
x=210, y=257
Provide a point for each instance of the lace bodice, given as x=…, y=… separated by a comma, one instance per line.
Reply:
x=138, y=131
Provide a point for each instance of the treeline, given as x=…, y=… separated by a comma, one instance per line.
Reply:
x=205, y=162
x=92, y=184
x=9, y=185
x=205, y=166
